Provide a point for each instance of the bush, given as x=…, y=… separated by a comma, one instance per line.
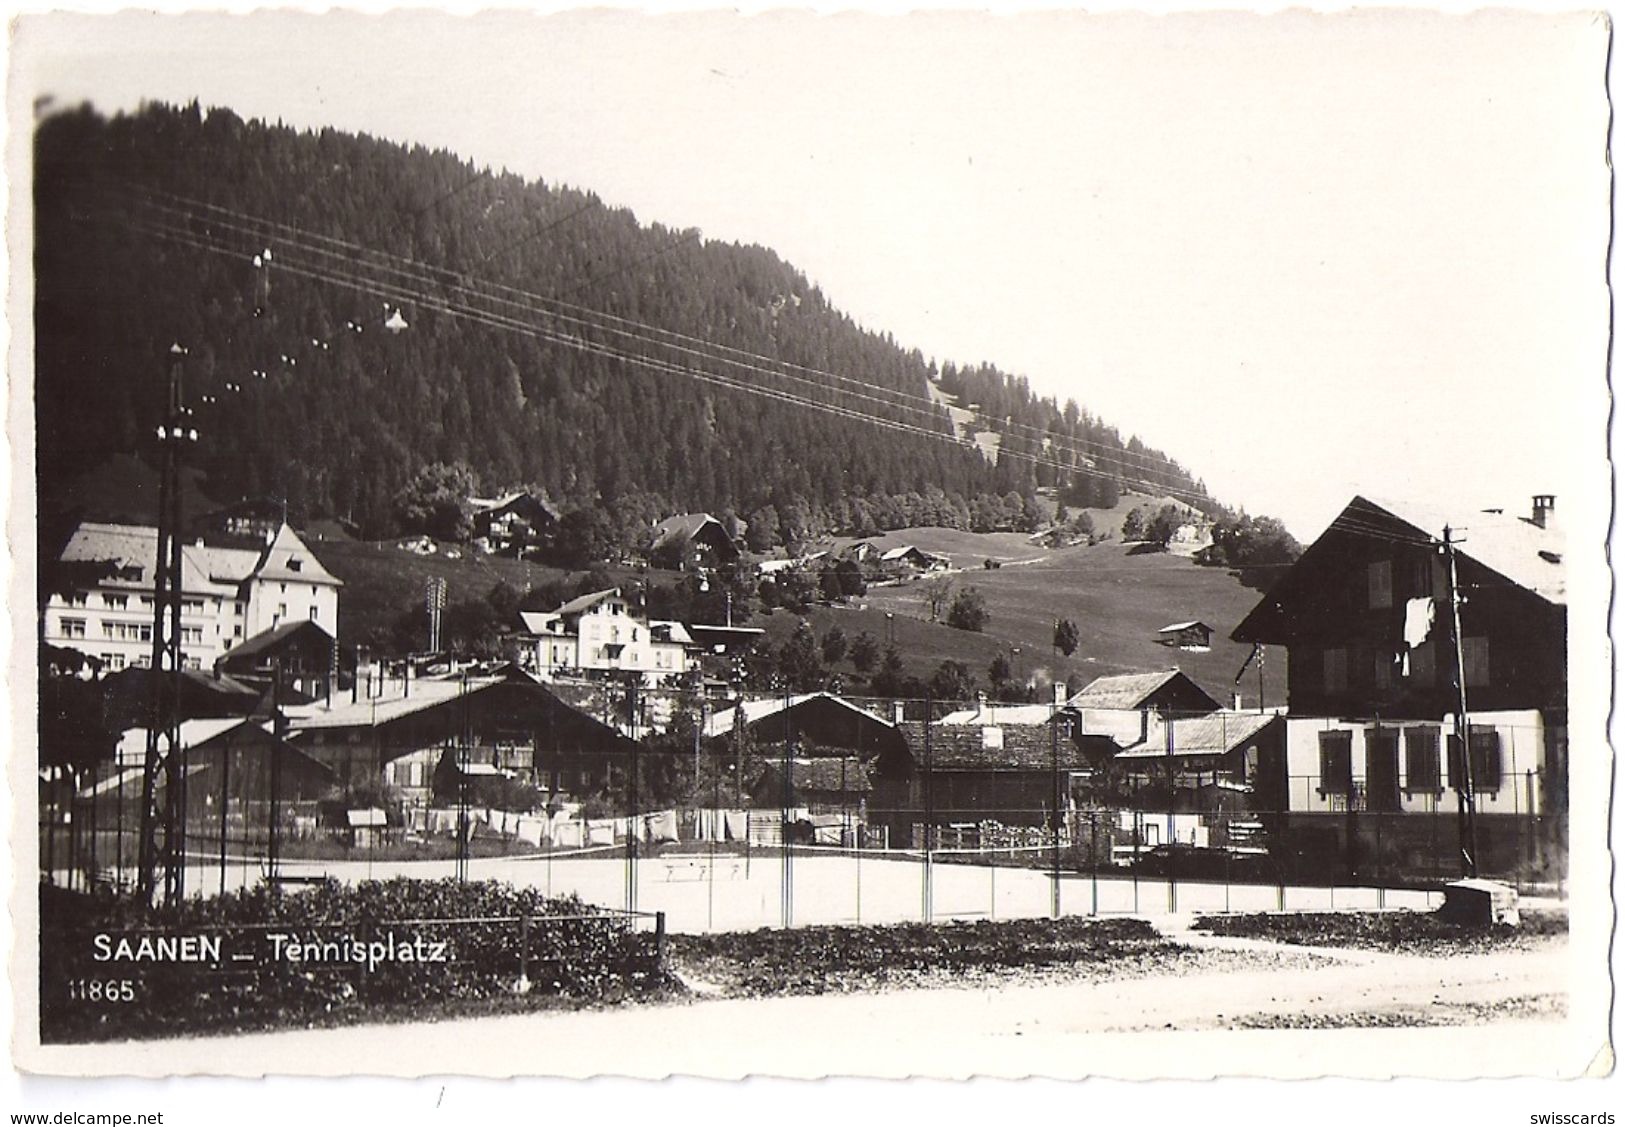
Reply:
x=588, y=957
x=968, y=611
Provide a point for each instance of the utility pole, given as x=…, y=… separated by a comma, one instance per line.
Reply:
x=1466, y=799
x=175, y=433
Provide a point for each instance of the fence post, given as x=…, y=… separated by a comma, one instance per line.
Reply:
x=524, y=947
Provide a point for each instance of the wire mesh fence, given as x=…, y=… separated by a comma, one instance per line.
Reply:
x=891, y=811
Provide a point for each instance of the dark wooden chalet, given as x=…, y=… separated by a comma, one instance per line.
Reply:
x=1342, y=610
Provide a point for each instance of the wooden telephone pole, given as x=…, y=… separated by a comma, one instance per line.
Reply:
x=1466, y=799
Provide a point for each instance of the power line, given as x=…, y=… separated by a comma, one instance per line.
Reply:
x=405, y=293
x=411, y=291
x=1149, y=466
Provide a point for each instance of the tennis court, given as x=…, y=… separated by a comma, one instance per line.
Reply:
x=774, y=887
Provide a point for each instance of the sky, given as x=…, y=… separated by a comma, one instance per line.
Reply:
x=1306, y=255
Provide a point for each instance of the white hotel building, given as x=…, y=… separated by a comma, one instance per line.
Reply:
x=228, y=595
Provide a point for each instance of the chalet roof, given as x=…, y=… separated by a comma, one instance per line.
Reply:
x=537, y=622
x=132, y=742
x=396, y=702
x=682, y=528
x=206, y=569
x=1530, y=556
x=1003, y=747
x=722, y=723
x=675, y=631
x=1175, y=627
x=906, y=551
x=582, y=603
x=513, y=499
x=1214, y=735
x=136, y=547
x=287, y=558
x=270, y=639
x=1525, y=555
x=1001, y=714
x=1125, y=690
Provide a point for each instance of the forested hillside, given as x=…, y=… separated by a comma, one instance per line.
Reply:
x=354, y=310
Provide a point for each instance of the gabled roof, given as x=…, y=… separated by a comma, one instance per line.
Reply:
x=1129, y=690
x=754, y=711
x=1001, y=747
x=674, y=631
x=396, y=702
x=908, y=550
x=513, y=499
x=537, y=622
x=1214, y=735
x=1001, y=714
x=132, y=742
x=136, y=547
x=583, y=603
x=288, y=559
x=270, y=639
x=682, y=528
x=1524, y=554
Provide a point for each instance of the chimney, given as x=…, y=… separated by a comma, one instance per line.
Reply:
x=1544, y=512
x=981, y=704
x=896, y=712
x=1235, y=702
x=1058, y=693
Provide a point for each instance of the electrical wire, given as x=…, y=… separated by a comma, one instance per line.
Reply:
x=1145, y=464
x=417, y=276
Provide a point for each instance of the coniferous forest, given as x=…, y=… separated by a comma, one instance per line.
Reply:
x=354, y=310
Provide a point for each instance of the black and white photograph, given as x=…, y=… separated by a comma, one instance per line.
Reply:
x=929, y=544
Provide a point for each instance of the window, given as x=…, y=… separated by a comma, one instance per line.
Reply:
x=1421, y=760
x=1379, y=585
x=1382, y=769
x=116, y=602
x=1475, y=660
x=314, y=612
x=113, y=661
x=282, y=610
x=78, y=599
x=1382, y=669
x=296, y=565
x=1486, y=752
x=1336, y=763
x=1336, y=671
x=73, y=628
x=142, y=661
x=1422, y=665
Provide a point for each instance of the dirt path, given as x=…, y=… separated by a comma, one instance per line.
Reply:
x=1506, y=1007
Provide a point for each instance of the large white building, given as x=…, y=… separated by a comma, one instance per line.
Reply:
x=228, y=594
x=599, y=632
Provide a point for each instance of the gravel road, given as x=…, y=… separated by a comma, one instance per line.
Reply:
x=1234, y=1006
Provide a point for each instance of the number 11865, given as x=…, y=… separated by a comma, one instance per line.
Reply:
x=110, y=990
